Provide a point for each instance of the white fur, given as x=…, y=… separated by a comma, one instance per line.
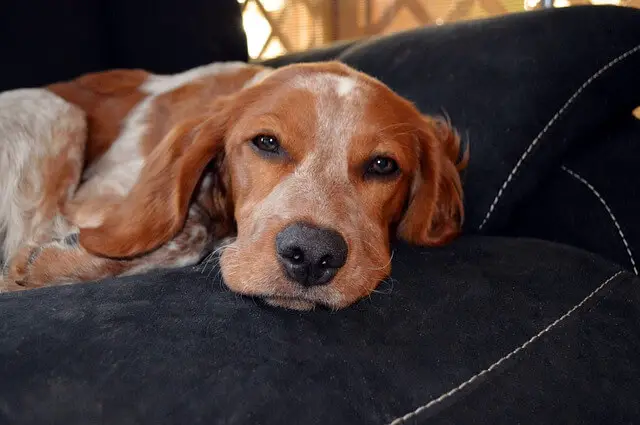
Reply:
x=158, y=84
x=343, y=86
x=259, y=77
x=30, y=119
x=337, y=118
x=346, y=85
x=117, y=171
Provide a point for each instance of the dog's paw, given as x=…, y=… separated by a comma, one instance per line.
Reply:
x=17, y=268
x=58, y=262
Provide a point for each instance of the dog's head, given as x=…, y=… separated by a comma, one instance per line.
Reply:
x=320, y=166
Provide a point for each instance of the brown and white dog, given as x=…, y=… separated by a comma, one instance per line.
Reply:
x=307, y=171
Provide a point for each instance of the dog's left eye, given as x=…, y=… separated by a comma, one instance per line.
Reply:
x=382, y=166
x=266, y=143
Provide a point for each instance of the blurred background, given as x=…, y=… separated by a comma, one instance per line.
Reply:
x=275, y=27
x=45, y=41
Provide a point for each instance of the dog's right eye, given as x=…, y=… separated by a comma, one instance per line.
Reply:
x=267, y=144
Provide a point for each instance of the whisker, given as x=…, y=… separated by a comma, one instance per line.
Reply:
x=386, y=264
x=376, y=251
x=394, y=126
x=410, y=130
x=392, y=283
x=213, y=258
x=445, y=115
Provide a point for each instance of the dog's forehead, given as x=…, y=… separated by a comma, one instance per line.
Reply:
x=351, y=100
x=339, y=105
x=327, y=83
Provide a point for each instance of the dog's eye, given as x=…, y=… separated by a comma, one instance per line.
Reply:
x=382, y=166
x=266, y=143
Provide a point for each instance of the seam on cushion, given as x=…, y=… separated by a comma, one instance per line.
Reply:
x=434, y=402
x=549, y=125
x=606, y=207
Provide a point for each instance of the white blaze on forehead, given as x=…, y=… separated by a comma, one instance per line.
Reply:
x=339, y=105
x=342, y=85
x=345, y=85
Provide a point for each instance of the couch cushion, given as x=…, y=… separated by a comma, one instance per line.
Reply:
x=324, y=53
x=487, y=330
x=592, y=199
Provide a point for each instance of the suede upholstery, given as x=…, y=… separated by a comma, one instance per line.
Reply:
x=176, y=347
x=496, y=328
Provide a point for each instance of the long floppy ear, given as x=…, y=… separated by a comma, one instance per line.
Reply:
x=435, y=211
x=156, y=208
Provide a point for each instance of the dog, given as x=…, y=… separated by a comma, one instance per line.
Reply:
x=302, y=174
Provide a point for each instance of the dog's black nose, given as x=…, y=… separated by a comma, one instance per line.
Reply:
x=311, y=255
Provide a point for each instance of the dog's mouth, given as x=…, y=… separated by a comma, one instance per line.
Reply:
x=264, y=281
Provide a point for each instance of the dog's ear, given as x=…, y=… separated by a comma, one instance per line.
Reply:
x=435, y=209
x=155, y=209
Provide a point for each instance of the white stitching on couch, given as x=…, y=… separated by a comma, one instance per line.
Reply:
x=549, y=124
x=495, y=365
x=606, y=207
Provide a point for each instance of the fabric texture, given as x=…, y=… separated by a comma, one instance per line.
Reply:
x=494, y=329
x=177, y=347
x=591, y=199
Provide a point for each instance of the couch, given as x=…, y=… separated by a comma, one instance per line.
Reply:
x=532, y=316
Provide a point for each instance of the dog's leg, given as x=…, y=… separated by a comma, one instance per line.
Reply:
x=63, y=261
x=42, y=142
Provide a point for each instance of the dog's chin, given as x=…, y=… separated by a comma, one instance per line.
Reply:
x=290, y=303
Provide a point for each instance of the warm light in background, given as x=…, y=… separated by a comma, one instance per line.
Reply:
x=531, y=4
x=601, y=2
x=276, y=27
x=258, y=29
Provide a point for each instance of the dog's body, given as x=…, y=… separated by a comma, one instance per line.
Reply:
x=123, y=171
